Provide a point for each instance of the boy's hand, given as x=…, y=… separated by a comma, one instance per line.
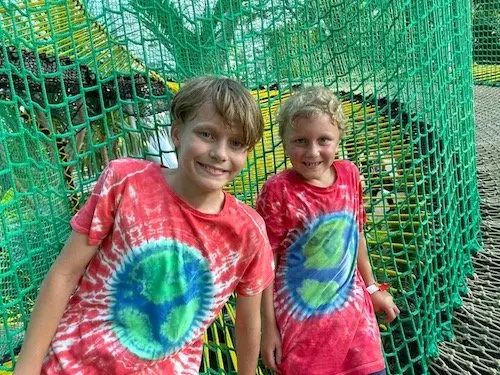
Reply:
x=270, y=347
x=383, y=303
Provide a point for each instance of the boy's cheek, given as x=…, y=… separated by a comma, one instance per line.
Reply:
x=242, y=158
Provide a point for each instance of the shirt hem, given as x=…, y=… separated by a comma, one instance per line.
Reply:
x=365, y=369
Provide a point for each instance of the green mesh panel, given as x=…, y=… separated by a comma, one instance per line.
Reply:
x=85, y=82
x=486, y=39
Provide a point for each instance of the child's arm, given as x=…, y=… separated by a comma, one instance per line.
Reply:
x=52, y=299
x=270, y=207
x=247, y=330
x=382, y=301
x=271, y=340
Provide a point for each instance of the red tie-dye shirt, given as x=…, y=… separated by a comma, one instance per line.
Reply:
x=162, y=273
x=323, y=311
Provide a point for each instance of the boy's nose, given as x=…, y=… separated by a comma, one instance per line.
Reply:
x=218, y=152
x=313, y=150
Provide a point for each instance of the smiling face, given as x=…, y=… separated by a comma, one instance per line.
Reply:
x=311, y=144
x=210, y=153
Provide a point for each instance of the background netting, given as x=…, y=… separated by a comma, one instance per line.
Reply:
x=84, y=82
x=476, y=343
x=486, y=39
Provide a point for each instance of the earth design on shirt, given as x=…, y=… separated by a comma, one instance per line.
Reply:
x=320, y=264
x=161, y=294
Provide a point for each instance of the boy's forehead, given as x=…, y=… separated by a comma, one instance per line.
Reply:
x=207, y=114
x=233, y=128
x=301, y=124
x=205, y=108
x=303, y=121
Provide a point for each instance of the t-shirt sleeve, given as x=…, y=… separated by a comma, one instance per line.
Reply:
x=95, y=219
x=259, y=272
x=269, y=206
x=361, y=214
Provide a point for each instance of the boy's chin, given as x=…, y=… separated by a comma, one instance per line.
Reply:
x=312, y=177
x=308, y=175
x=213, y=186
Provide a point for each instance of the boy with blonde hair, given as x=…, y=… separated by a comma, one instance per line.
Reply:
x=154, y=254
x=319, y=318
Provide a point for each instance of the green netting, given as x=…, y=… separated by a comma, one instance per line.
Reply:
x=475, y=346
x=486, y=37
x=84, y=82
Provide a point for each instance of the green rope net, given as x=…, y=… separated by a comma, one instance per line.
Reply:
x=83, y=82
x=474, y=348
x=486, y=39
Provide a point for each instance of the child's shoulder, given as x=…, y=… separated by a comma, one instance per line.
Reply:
x=347, y=168
x=247, y=216
x=246, y=212
x=279, y=180
x=125, y=167
x=346, y=165
x=129, y=164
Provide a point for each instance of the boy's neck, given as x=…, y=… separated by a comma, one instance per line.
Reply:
x=326, y=180
x=210, y=202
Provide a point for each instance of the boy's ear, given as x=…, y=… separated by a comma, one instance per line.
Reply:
x=175, y=133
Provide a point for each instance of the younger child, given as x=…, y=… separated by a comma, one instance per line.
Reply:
x=154, y=254
x=323, y=320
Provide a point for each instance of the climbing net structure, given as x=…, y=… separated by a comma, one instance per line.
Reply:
x=83, y=82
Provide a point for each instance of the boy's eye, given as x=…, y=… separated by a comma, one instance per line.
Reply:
x=299, y=141
x=237, y=145
x=205, y=134
x=324, y=140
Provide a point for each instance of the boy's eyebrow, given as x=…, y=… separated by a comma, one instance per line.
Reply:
x=238, y=134
x=205, y=124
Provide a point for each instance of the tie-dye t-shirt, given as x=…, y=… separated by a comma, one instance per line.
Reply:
x=161, y=274
x=323, y=311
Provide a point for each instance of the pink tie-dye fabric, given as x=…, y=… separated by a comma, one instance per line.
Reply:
x=323, y=310
x=162, y=273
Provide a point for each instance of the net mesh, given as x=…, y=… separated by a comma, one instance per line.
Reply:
x=85, y=82
x=486, y=41
x=474, y=349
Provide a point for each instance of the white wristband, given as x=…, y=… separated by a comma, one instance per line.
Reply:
x=372, y=288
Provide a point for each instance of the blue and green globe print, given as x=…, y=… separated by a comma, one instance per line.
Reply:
x=162, y=293
x=320, y=265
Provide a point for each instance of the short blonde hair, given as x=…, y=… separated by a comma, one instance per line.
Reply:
x=231, y=101
x=309, y=103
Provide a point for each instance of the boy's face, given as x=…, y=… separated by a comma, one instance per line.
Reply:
x=311, y=146
x=210, y=154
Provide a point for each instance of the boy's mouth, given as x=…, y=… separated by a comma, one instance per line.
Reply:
x=311, y=164
x=212, y=170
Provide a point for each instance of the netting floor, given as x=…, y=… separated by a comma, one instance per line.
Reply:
x=475, y=348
